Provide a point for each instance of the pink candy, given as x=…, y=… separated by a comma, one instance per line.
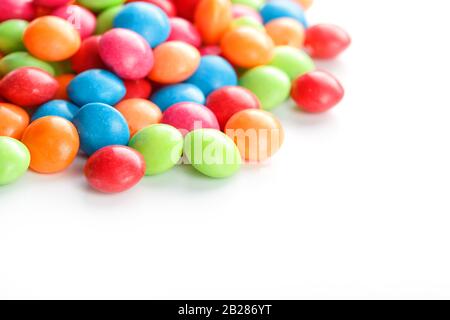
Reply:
x=183, y=30
x=51, y=3
x=16, y=9
x=240, y=10
x=82, y=19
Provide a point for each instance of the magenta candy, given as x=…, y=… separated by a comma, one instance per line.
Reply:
x=16, y=9
x=126, y=53
x=183, y=30
x=82, y=19
x=51, y=3
x=210, y=51
x=240, y=10
x=188, y=116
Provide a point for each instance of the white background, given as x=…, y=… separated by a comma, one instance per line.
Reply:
x=356, y=205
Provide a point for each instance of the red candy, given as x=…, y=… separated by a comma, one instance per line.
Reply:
x=82, y=19
x=28, y=87
x=183, y=30
x=227, y=101
x=141, y=89
x=88, y=56
x=16, y=9
x=325, y=41
x=166, y=5
x=114, y=169
x=317, y=91
x=186, y=8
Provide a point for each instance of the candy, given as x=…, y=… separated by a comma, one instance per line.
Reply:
x=63, y=81
x=146, y=19
x=257, y=133
x=88, y=56
x=212, y=18
x=183, y=30
x=175, y=61
x=13, y=120
x=139, y=113
x=166, y=5
x=16, y=9
x=114, y=169
x=212, y=153
x=100, y=125
x=227, y=101
x=317, y=91
x=294, y=62
x=105, y=19
x=254, y=4
x=161, y=145
x=82, y=19
x=58, y=108
x=306, y=4
x=170, y=95
x=186, y=8
x=51, y=3
x=53, y=143
x=210, y=51
x=51, y=39
x=17, y=60
x=188, y=116
x=11, y=34
x=100, y=5
x=286, y=32
x=141, y=88
x=325, y=41
x=96, y=86
x=269, y=84
x=240, y=10
x=245, y=22
x=213, y=73
x=283, y=9
x=247, y=47
x=28, y=87
x=14, y=160
x=126, y=53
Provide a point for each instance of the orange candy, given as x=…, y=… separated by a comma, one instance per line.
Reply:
x=51, y=39
x=286, y=32
x=257, y=133
x=13, y=120
x=53, y=143
x=212, y=19
x=63, y=81
x=247, y=47
x=306, y=4
x=175, y=61
x=139, y=113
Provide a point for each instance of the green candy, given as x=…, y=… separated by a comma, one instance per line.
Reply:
x=255, y=4
x=246, y=22
x=161, y=145
x=271, y=85
x=11, y=34
x=62, y=67
x=21, y=59
x=294, y=62
x=106, y=18
x=100, y=5
x=212, y=153
x=14, y=160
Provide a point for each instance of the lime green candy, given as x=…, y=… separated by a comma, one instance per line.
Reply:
x=246, y=22
x=294, y=62
x=11, y=34
x=271, y=85
x=106, y=18
x=212, y=153
x=14, y=160
x=161, y=145
x=100, y=5
x=21, y=59
x=255, y=4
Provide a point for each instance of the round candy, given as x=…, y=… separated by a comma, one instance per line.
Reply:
x=257, y=133
x=100, y=5
x=175, y=61
x=20, y=59
x=227, y=101
x=139, y=113
x=286, y=32
x=254, y=4
x=53, y=143
x=100, y=125
x=245, y=22
x=14, y=160
x=161, y=145
x=126, y=53
x=165, y=5
x=170, y=95
x=146, y=19
x=58, y=108
x=28, y=87
x=283, y=9
x=88, y=56
x=186, y=8
x=51, y=39
x=213, y=73
x=212, y=18
x=269, y=84
x=96, y=86
x=210, y=51
x=11, y=34
x=306, y=4
x=114, y=169
x=105, y=19
x=51, y=3
x=324, y=41
x=247, y=47
x=294, y=62
x=317, y=91
x=141, y=88
x=188, y=116
x=16, y=9
x=240, y=10
x=63, y=81
x=13, y=120
x=183, y=30
x=82, y=19
x=212, y=153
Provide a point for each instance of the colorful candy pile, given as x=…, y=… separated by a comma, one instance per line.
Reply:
x=137, y=86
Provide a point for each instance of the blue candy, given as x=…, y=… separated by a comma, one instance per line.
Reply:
x=213, y=73
x=100, y=125
x=58, y=108
x=170, y=95
x=283, y=9
x=146, y=19
x=96, y=86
